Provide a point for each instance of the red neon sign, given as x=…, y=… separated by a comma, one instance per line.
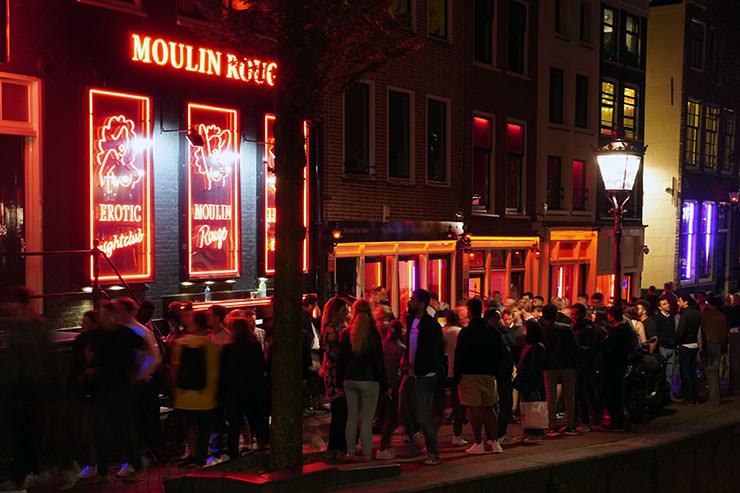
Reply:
x=213, y=193
x=181, y=56
x=120, y=161
x=270, y=187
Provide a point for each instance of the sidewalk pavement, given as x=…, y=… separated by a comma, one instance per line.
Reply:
x=676, y=421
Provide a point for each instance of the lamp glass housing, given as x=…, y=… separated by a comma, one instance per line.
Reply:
x=619, y=169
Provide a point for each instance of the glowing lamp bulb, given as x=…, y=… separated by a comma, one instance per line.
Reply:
x=734, y=196
x=471, y=255
x=336, y=234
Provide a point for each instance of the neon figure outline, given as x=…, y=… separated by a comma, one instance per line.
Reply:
x=213, y=161
x=116, y=153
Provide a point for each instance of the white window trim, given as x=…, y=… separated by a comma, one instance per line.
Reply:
x=412, y=132
x=703, y=47
x=371, y=132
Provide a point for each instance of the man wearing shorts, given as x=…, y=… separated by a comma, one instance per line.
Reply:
x=477, y=359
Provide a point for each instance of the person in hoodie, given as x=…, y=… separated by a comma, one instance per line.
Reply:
x=688, y=339
x=589, y=338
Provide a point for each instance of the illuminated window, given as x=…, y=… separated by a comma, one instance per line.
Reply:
x=688, y=241
x=585, y=22
x=696, y=44
x=556, y=95
x=357, y=129
x=517, y=37
x=15, y=102
x=581, y=113
x=398, y=134
x=629, y=112
x=374, y=273
x=400, y=10
x=514, y=166
x=484, y=12
x=691, y=138
x=609, y=33
x=579, y=185
x=438, y=18
x=436, y=140
x=438, y=276
x=482, y=147
x=4, y=34
x=554, y=182
x=728, y=157
x=711, y=127
x=632, y=43
x=408, y=278
x=608, y=107
x=705, y=246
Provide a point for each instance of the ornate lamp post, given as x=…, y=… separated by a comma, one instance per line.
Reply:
x=619, y=161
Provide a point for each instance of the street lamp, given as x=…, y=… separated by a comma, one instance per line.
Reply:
x=619, y=161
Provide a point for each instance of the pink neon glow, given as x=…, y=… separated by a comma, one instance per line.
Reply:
x=687, y=218
x=439, y=273
x=560, y=281
x=708, y=237
x=412, y=275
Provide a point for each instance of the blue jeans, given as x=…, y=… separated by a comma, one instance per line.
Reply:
x=687, y=365
x=421, y=393
x=362, y=399
x=669, y=355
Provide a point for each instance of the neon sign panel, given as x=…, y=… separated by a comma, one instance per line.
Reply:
x=189, y=58
x=270, y=188
x=213, y=193
x=120, y=162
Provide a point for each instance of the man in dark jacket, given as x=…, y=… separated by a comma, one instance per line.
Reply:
x=589, y=338
x=616, y=348
x=424, y=363
x=312, y=355
x=478, y=360
x=560, y=368
x=504, y=383
x=687, y=340
x=665, y=324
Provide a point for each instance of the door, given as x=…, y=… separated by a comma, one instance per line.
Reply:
x=12, y=202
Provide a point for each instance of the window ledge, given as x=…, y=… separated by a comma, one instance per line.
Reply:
x=558, y=213
x=562, y=37
x=558, y=126
x=482, y=213
x=487, y=66
x=358, y=177
x=517, y=215
x=444, y=41
x=438, y=184
x=125, y=7
x=190, y=21
x=399, y=181
x=586, y=44
x=584, y=131
x=582, y=213
x=518, y=75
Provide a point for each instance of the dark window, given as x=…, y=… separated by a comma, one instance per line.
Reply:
x=629, y=112
x=484, y=10
x=556, y=95
x=438, y=18
x=482, y=146
x=398, y=134
x=579, y=185
x=514, y=165
x=561, y=16
x=609, y=33
x=632, y=44
x=554, y=182
x=517, y=36
x=357, y=129
x=728, y=155
x=581, y=115
x=711, y=129
x=696, y=44
x=712, y=66
x=608, y=107
x=400, y=10
x=691, y=137
x=584, y=25
x=436, y=140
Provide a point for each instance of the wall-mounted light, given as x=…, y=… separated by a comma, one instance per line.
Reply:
x=645, y=249
x=734, y=197
x=535, y=250
x=186, y=283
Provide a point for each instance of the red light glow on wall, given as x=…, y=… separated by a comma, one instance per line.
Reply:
x=270, y=187
x=213, y=193
x=189, y=58
x=120, y=161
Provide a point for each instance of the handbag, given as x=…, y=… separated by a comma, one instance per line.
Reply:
x=534, y=415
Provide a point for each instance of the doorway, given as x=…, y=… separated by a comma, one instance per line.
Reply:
x=12, y=210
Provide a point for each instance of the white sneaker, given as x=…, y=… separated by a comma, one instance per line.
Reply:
x=126, y=471
x=497, y=447
x=459, y=441
x=212, y=461
x=386, y=454
x=89, y=472
x=476, y=449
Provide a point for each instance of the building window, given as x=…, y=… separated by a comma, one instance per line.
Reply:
x=629, y=115
x=609, y=33
x=436, y=140
x=632, y=44
x=5, y=33
x=688, y=240
x=584, y=25
x=438, y=18
x=482, y=147
x=561, y=17
x=712, y=66
x=484, y=11
x=608, y=106
x=438, y=277
x=398, y=134
x=581, y=114
x=696, y=44
x=514, y=165
x=711, y=128
x=517, y=36
x=579, y=185
x=691, y=140
x=400, y=10
x=357, y=129
x=556, y=95
x=554, y=182
x=728, y=156
x=705, y=247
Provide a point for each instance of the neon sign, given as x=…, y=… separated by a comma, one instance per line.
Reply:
x=120, y=161
x=270, y=188
x=213, y=193
x=181, y=56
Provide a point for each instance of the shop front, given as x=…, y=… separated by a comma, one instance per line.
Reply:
x=633, y=239
x=572, y=262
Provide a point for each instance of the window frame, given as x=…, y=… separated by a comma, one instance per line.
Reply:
x=525, y=40
x=729, y=119
x=573, y=189
x=697, y=138
x=371, y=132
x=627, y=59
x=561, y=189
x=411, y=127
x=448, y=155
x=491, y=202
x=615, y=100
x=560, y=18
x=552, y=102
x=448, y=21
x=585, y=34
x=412, y=15
x=132, y=7
x=521, y=211
x=615, y=32
x=492, y=37
x=636, y=113
x=710, y=161
x=585, y=97
x=701, y=49
x=707, y=234
x=688, y=239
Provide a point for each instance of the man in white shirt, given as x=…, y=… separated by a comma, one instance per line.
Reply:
x=219, y=333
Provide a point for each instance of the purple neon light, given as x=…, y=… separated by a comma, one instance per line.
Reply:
x=687, y=218
x=708, y=213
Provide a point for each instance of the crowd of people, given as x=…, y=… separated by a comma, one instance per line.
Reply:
x=556, y=368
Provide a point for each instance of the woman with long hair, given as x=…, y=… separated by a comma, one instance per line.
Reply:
x=637, y=326
x=361, y=370
x=332, y=322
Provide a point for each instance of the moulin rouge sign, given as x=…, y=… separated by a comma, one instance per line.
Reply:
x=189, y=58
